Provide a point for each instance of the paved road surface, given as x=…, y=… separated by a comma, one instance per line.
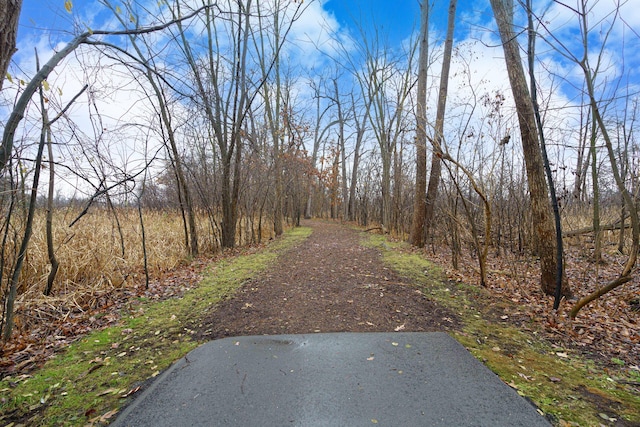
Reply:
x=342, y=379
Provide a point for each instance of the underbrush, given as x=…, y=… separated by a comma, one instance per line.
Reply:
x=99, y=255
x=88, y=382
x=574, y=382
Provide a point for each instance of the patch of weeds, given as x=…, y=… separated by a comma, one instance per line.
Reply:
x=617, y=361
x=404, y=260
x=89, y=381
x=570, y=390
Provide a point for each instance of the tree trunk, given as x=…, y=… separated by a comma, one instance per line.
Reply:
x=420, y=201
x=49, y=221
x=360, y=126
x=597, y=231
x=541, y=213
x=386, y=190
x=343, y=152
x=9, y=14
x=436, y=166
x=28, y=229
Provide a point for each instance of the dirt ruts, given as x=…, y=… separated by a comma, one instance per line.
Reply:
x=329, y=283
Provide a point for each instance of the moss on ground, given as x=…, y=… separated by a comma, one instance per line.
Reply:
x=567, y=388
x=89, y=382
x=86, y=383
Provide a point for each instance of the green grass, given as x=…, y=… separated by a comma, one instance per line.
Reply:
x=565, y=386
x=86, y=382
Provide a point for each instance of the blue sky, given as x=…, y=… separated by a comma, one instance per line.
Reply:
x=394, y=18
x=398, y=18
x=44, y=23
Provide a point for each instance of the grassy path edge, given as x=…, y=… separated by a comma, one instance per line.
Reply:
x=89, y=382
x=569, y=389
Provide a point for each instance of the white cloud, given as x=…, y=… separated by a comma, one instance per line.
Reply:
x=317, y=34
x=117, y=97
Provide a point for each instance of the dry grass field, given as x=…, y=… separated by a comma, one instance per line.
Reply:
x=97, y=256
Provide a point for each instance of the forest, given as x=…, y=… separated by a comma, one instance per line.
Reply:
x=144, y=136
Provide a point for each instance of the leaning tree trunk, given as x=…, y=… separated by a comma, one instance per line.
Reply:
x=625, y=275
x=28, y=230
x=541, y=212
x=436, y=161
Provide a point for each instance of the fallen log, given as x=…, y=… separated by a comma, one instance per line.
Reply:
x=608, y=227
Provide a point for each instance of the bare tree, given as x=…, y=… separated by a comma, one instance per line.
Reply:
x=420, y=200
x=591, y=63
x=268, y=41
x=28, y=228
x=388, y=83
x=539, y=191
x=436, y=167
x=590, y=75
x=319, y=131
x=547, y=168
x=360, y=124
x=167, y=127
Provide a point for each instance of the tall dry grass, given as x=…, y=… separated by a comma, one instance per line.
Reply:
x=91, y=254
x=99, y=259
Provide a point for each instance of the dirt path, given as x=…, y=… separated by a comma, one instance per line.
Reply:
x=329, y=283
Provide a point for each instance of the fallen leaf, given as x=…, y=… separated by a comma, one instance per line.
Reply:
x=108, y=415
x=95, y=367
x=108, y=391
x=130, y=392
x=526, y=377
x=399, y=328
x=562, y=354
x=607, y=417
